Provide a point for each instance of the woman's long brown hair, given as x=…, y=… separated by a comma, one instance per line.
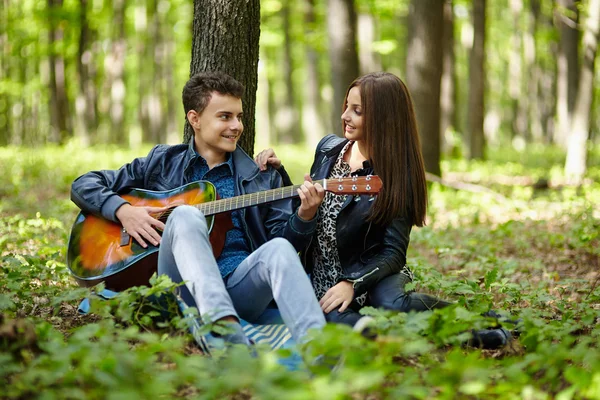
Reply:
x=390, y=133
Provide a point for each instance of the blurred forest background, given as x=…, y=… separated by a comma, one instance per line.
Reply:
x=506, y=94
x=502, y=74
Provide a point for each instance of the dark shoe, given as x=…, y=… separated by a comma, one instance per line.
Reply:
x=489, y=338
x=514, y=325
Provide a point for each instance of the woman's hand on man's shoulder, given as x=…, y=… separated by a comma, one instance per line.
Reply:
x=269, y=157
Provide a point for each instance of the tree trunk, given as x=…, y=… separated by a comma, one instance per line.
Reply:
x=534, y=74
x=311, y=118
x=567, y=20
x=144, y=80
x=4, y=73
x=424, y=73
x=115, y=71
x=575, y=165
x=287, y=114
x=448, y=97
x=341, y=25
x=151, y=111
x=519, y=122
x=157, y=109
x=85, y=104
x=225, y=38
x=59, y=103
x=369, y=60
x=477, y=83
x=547, y=85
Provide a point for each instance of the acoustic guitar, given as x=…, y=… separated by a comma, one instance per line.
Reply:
x=100, y=250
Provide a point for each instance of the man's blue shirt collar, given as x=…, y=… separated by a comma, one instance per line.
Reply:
x=228, y=161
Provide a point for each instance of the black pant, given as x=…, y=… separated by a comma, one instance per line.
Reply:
x=389, y=294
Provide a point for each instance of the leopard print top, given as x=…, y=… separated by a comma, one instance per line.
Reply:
x=326, y=260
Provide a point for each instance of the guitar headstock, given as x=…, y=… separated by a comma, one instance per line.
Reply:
x=370, y=184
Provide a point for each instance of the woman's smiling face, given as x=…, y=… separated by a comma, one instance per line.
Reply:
x=352, y=118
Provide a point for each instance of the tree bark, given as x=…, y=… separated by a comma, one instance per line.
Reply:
x=225, y=38
x=575, y=165
x=59, y=103
x=547, y=84
x=567, y=21
x=341, y=25
x=477, y=83
x=519, y=122
x=424, y=73
x=534, y=74
x=287, y=118
x=151, y=109
x=158, y=95
x=4, y=74
x=85, y=104
x=448, y=97
x=115, y=70
x=311, y=118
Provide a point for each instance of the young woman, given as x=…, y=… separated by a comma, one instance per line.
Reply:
x=357, y=255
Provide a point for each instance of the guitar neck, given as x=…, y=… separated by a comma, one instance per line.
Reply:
x=252, y=199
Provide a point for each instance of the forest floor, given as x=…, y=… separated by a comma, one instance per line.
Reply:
x=505, y=234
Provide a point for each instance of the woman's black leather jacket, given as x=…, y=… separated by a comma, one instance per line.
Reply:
x=368, y=252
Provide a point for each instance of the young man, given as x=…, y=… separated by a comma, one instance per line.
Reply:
x=259, y=262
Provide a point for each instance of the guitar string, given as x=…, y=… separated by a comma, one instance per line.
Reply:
x=228, y=202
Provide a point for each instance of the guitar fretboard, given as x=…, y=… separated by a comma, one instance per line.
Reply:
x=252, y=199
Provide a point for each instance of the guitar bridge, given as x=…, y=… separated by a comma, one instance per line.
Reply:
x=125, y=238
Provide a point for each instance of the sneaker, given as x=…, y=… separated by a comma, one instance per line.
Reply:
x=209, y=342
x=366, y=327
x=489, y=338
x=516, y=325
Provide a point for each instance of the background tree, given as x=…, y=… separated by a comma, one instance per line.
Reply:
x=567, y=20
x=312, y=118
x=477, y=83
x=226, y=34
x=448, y=98
x=343, y=56
x=85, y=105
x=575, y=164
x=424, y=73
x=59, y=102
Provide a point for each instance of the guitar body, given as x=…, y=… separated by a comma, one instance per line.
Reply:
x=99, y=250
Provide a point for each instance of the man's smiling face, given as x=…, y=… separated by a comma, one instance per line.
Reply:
x=219, y=126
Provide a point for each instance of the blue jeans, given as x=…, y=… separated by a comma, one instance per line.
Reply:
x=271, y=272
x=389, y=294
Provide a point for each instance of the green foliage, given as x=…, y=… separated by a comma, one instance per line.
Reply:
x=533, y=256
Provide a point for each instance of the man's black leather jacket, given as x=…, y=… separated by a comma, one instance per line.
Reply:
x=168, y=167
x=368, y=252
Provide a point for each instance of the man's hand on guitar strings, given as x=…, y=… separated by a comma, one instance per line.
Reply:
x=311, y=197
x=140, y=224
